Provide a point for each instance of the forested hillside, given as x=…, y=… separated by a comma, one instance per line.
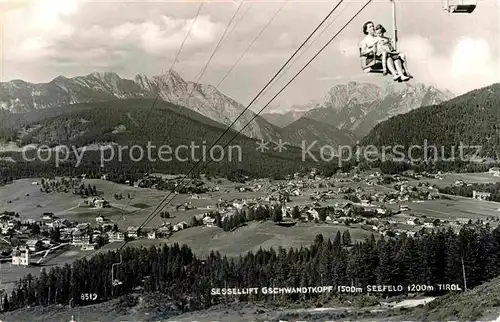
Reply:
x=175, y=271
x=122, y=123
x=472, y=119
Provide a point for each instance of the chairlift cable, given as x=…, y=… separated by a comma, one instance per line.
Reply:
x=198, y=79
x=304, y=51
x=240, y=20
x=251, y=44
x=288, y=83
x=151, y=108
x=149, y=218
x=234, y=65
x=162, y=83
x=257, y=114
x=202, y=72
x=191, y=92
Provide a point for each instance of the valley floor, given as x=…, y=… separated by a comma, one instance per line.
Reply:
x=24, y=197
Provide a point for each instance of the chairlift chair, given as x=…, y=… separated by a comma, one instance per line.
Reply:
x=371, y=64
x=459, y=6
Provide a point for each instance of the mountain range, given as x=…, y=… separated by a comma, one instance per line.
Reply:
x=283, y=119
x=120, y=124
x=358, y=107
x=19, y=96
x=283, y=115
x=346, y=114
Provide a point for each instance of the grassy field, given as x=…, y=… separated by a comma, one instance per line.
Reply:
x=251, y=237
x=13, y=197
x=255, y=235
x=132, y=212
x=11, y=273
x=450, y=178
x=458, y=207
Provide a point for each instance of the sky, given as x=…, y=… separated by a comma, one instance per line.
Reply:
x=43, y=39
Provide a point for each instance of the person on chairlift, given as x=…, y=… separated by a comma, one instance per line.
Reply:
x=385, y=48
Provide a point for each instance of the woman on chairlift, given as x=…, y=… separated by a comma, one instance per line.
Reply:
x=368, y=49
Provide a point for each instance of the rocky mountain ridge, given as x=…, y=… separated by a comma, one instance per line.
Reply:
x=358, y=107
x=18, y=96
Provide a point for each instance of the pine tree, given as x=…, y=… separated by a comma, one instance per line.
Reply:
x=277, y=215
x=337, y=241
x=296, y=212
x=346, y=238
x=322, y=214
x=6, y=303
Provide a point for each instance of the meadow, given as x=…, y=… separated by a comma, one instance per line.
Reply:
x=26, y=199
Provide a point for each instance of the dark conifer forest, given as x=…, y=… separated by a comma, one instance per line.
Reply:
x=471, y=119
x=430, y=259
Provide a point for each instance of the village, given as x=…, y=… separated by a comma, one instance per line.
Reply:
x=388, y=205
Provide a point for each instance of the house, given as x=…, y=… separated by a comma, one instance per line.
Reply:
x=100, y=203
x=152, y=234
x=34, y=245
x=88, y=246
x=433, y=195
x=80, y=238
x=313, y=213
x=209, y=222
x=495, y=170
x=404, y=208
x=48, y=216
x=20, y=256
x=412, y=222
x=83, y=226
x=180, y=226
x=61, y=223
x=66, y=233
x=481, y=195
x=46, y=242
x=165, y=227
x=365, y=202
x=96, y=203
x=100, y=219
x=95, y=234
x=428, y=225
x=132, y=232
x=284, y=212
x=7, y=230
x=116, y=236
x=238, y=205
x=347, y=208
x=4, y=219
